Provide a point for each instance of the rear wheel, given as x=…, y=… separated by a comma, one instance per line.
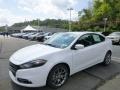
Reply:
x=107, y=59
x=58, y=76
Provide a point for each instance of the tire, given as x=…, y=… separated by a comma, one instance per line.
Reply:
x=58, y=76
x=107, y=59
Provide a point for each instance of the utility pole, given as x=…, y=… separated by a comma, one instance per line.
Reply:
x=105, y=22
x=70, y=9
x=38, y=25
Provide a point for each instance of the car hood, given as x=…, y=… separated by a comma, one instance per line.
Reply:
x=32, y=53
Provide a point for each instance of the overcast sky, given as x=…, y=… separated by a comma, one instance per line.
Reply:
x=12, y=11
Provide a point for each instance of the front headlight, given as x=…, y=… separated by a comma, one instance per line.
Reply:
x=32, y=64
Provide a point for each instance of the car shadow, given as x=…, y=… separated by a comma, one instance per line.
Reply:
x=17, y=87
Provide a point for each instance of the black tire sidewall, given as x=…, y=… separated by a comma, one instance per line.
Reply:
x=104, y=62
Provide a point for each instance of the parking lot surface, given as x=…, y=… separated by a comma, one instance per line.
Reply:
x=88, y=79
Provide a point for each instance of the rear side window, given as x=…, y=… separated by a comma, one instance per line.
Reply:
x=97, y=38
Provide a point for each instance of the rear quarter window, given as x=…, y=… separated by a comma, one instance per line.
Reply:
x=98, y=38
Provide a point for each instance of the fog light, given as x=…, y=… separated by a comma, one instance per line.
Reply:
x=25, y=81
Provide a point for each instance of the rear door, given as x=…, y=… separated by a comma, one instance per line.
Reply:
x=99, y=44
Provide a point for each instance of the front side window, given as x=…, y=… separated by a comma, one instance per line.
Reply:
x=61, y=40
x=85, y=40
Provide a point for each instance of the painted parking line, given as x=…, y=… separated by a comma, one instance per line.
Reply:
x=1, y=44
x=116, y=59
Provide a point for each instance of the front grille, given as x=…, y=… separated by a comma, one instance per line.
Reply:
x=13, y=68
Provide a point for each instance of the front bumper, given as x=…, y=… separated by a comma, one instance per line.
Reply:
x=37, y=77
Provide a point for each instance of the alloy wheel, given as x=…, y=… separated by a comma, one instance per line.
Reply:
x=58, y=76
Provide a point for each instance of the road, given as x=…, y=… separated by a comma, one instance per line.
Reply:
x=88, y=79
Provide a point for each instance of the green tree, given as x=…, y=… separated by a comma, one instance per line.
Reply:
x=92, y=17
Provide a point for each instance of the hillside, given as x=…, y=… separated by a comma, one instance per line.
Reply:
x=48, y=22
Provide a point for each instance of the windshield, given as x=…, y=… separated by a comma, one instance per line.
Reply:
x=61, y=40
x=114, y=34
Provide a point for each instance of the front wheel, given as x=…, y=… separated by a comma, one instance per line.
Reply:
x=58, y=76
x=107, y=59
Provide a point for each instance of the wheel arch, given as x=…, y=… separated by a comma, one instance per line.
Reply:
x=63, y=63
x=109, y=51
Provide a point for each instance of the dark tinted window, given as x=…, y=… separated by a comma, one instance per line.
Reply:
x=86, y=40
x=102, y=38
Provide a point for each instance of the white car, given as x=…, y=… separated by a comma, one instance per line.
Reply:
x=49, y=36
x=58, y=58
x=115, y=37
x=17, y=34
x=32, y=37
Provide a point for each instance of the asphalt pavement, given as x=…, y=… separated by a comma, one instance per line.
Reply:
x=89, y=79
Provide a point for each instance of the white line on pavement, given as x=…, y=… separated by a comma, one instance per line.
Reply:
x=115, y=58
x=1, y=44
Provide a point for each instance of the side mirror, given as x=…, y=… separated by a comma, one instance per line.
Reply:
x=79, y=46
